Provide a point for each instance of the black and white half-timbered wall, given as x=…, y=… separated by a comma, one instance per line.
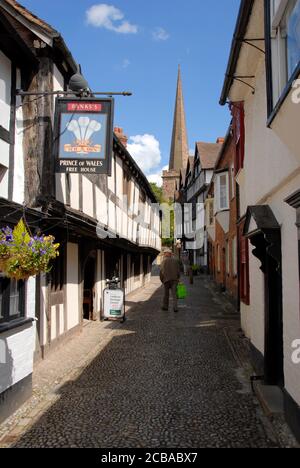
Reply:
x=79, y=210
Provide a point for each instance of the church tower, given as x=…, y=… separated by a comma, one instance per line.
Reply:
x=179, y=146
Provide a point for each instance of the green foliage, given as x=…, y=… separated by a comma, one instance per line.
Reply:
x=20, y=234
x=22, y=256
x=158, y=192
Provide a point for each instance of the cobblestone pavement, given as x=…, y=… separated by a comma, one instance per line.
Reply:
x=160, y=380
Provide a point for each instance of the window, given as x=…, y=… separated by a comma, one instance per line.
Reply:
x=12, y=300
x=58, y=271
x=222, y=192
x=285, y=43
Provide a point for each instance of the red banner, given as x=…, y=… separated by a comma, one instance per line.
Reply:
x=84, y=107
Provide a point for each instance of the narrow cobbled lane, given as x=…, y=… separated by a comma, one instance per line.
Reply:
x=164, y=380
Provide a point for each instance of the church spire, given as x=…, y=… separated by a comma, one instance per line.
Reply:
x=179, y=148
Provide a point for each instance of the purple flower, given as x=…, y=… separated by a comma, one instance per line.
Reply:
x=43, y=252
x=7, y=231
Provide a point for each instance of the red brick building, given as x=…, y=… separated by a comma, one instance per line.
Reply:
x=221, y=220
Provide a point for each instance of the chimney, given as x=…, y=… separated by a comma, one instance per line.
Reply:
x=119, y=132
x=220, y=140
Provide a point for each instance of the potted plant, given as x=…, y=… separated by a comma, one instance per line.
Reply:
x=23, y=256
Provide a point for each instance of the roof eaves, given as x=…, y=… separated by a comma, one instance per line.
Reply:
x=236, y=46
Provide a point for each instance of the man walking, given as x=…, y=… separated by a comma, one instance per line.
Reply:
x=169, y=276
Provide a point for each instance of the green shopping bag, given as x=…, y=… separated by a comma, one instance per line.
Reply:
x=181, y=291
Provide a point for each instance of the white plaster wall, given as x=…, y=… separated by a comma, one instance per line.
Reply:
x=264, y=149
x=42, y=324
x=111, y=179
x=17, y=347
x=119, y=178
x=102, y=208
x=136, y=200
x=5, y=90
x=74, y=191
x=53, y=323
x=4, y=160
x=58, y=81
x=286, y=217
x=246, y=319
x=134, y=233
x=111, y=215
x=271, y=174
x=87, y=196
x=119, y=220
x=19, y=179
x=130, y=228
x=72, y=286
x=124, y=225
x=61, y=189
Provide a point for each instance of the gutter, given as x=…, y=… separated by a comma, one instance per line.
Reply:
x=59, y=42
x=244, y=15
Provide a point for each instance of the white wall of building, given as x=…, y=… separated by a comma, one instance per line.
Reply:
x=274, y=155
x=17, y=346
x=5, y=100
x=73, y=306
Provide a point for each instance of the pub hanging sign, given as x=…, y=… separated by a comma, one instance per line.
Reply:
x=84, y=135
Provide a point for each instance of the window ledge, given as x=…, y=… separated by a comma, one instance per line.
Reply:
x=283, y=96
x=7, y=326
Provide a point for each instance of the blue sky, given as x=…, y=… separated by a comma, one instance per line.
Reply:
x=137, y=45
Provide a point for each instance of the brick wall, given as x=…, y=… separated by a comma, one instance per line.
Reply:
x=170, y=178
x=227, y=277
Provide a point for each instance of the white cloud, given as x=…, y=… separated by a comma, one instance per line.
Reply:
x=160, y=34
x=109, y=17
x=157, y=177
x=145, y=150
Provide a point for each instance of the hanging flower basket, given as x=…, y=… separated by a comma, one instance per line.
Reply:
x=23, y=256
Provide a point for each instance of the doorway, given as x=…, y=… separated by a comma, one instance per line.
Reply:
x=89, y=289
x=264, y=232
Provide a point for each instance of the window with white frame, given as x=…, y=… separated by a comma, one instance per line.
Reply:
x=12, y=300
x=222, y=192
x=285, y=43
